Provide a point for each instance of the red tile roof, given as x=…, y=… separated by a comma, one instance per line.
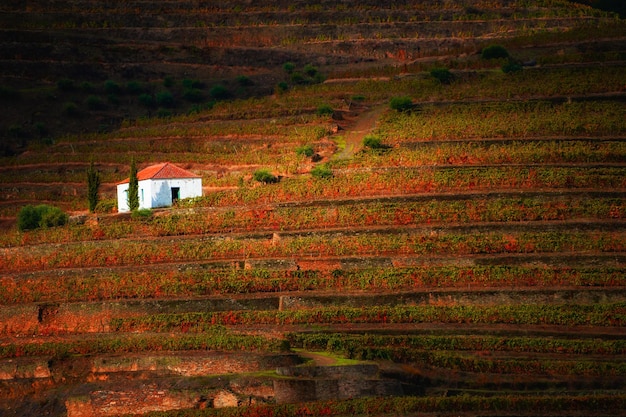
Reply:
x=162, y=171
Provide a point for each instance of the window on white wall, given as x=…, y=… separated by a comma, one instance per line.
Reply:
x=142, y=195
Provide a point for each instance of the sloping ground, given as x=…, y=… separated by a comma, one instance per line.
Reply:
x=475, y=264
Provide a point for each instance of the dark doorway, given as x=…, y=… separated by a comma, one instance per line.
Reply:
x=175, y=194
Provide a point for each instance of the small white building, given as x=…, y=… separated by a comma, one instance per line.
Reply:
x=160, y=186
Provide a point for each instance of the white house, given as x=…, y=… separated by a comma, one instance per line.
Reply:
x=160, y=186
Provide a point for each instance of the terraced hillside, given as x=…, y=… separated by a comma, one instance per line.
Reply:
x=445, y=234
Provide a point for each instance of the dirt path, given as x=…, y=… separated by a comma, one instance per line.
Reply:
x=353, y=136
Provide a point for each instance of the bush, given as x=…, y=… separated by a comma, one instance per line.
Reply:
x=322, y=172
x=165, y=99
x=141, y=214
x=401, y=104
x=310, y=70
x=87, y=87
x=111, y=87
x=443, y=75
x=281, y=87
x=70, y=109
x=95, y=103
x=106, y=206
x=298, y=78
x=134, y=87
x=324, y=110
x=187, y=83
x=219, y=92
x=264, y=176
x=65, y=84
x=494, y=52
x=32, y=217
x=289, y=67
x=194, y=95
x=305, y=150
x=168, y=81
x=147, y=100
x=164, y=113
x=244, y=81
x=511, y=66
x=373, y=142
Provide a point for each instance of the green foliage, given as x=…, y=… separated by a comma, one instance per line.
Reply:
x=106, y=206
x=141, y=214
x=93, y=185
x=298, y=78
x=95, y=103
x=133, y=187
x=443, y=75
x=324, y=110
x=165, y=99
x=305, y=150
x=134, y=87
x=310, y=70
x=264, y=176
x=33, y=217
x=401, y=104
x=373, y=142
x=111, y=87
x=281, y=87
x=494, y=52
x=164, y=113
x=219, y=92
x=195, y=95
x=322, y=172
x=65, y=84
x=87, y=87
x=289, y=67
x=147, y=100
x=70, y=109
x=168, y=81
x=244, y=81
x=511, y=66
x=188, y=84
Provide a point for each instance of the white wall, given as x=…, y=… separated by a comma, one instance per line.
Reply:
x=158, y=193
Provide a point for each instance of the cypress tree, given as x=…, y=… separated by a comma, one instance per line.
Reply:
x=133, y=187
x=93, y=185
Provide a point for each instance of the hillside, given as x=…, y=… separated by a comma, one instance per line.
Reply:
x=445, y=235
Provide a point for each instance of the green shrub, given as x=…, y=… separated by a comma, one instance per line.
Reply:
x=264, y=176
x=373, y=142
x=310, y=70
x=164, y=113
x=219, y=92
x=65, y=84
x=147, y=100
x=70, y=109
x=134, y=87
x=106, y=206
x=322, y=172
x=168, y=81
x=113, y=99
x=443, y=75
x=358, y=97
x=111, y=87
x=194, y=95
x=141, y=214
x=289, y=67
x=401, y=104
x=95, y=103
x=281, y=87
x=33, y=217
x=188, y=84
x=165, y=99
x=511, y=66
x=87, y=87
x=244, y=81
x=305, y=150
x=494, y=52
x=324, y=110
x=298, y=78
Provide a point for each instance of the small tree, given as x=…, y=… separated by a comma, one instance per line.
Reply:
x=322, y=172
x=93, y=185
x=494, y=52
x=43, y=215
x=443, y=75
x=133, y=187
